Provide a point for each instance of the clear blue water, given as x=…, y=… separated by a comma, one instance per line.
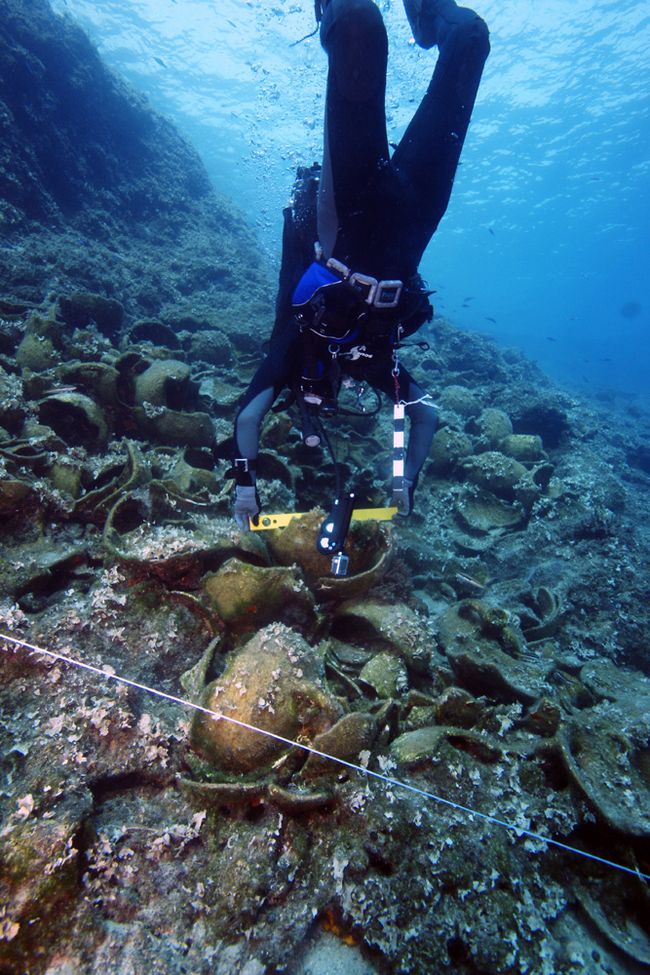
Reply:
x=546, y=243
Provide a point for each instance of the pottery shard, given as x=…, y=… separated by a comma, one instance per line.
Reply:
x=247, y=596
x=449, y=446
x=367, y=544
x=393, y=628
x=175, y=428
x=82, y=308
x=485, y=648
x=165, y=383
x=610, y=769
x=76, y=418
x=482, y=512
x=385, y=674
x=492, y=425
x=495, y=472
x=275, y=682
x=352, y=734
x=525, y=447
x=457, y=707
x=415, y=747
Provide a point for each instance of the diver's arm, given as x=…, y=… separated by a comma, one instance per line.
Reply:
x=247, y=437
x=247, y=434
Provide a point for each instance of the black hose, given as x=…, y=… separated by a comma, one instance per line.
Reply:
x=337, y=467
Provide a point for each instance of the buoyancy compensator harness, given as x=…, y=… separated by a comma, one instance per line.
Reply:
x=346, y=315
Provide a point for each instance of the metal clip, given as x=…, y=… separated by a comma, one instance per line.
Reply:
x=358, y=352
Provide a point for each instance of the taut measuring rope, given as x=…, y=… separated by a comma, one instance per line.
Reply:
x=512, y=827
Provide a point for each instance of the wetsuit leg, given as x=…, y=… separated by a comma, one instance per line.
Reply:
x=355, y=142
x=427, y=156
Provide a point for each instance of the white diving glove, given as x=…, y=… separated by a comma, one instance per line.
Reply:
x=246, y=506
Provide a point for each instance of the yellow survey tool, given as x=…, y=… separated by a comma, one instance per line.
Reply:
x=267, y=522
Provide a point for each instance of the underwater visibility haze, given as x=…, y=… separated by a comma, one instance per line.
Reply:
x=546, y=240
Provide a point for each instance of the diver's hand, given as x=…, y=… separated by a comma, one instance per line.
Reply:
x=246, y=506
x=404, y=499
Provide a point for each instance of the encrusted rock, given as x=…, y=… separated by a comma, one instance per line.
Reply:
x=13, y=407
x=460, y=399
x=139, y=535
x=13, y=493
x=40, y=864
x=628, y=688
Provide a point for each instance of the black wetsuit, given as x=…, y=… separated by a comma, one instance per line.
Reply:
x=377, y=212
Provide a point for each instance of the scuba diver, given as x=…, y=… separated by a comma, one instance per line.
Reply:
x=354, y=234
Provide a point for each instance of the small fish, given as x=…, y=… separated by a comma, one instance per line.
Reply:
x=469, y=581
x=551, y=338
x=631, y=309
x=490, y=231
x=493, y=320
x=55, y=390
x=160, y=62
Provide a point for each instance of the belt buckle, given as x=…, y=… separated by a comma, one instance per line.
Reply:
x=363, y=282
x=387, y=294
x=338, y=267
